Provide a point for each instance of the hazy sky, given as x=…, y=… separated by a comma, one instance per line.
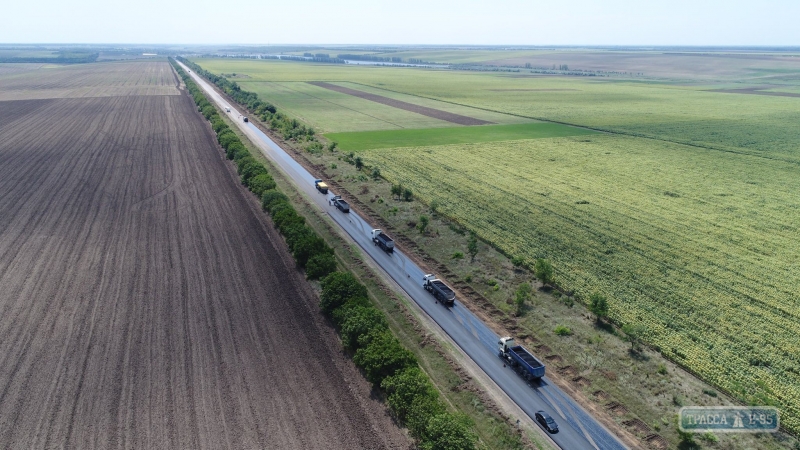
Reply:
x=521, y=22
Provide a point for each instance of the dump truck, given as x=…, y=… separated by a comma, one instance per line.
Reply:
x=340, y=204
x=521, y=360
x=440, y=291
x=322, y=187
x=382, y=240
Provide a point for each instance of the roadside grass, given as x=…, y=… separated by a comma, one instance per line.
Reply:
x=366, y=140
x=458, y=391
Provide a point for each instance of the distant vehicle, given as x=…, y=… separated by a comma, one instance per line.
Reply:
x=546, y=421
x=321, y=186
x=382, y=240
x=340, y=204
x=227, y=109
x=245, y=119
x=440, y=291
x=521, y=360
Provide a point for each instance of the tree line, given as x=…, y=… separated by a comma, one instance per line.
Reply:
x=373, y=58
x=364, y=330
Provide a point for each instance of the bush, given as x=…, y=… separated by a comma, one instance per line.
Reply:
x=561, y=330
x=271, y=196
x=234, y=148
x=543, y=270
x=404, y=388
x=518, y=261
x=447, y=431
x=381, y=355
x=251, y=170
x=308, y=246
x=261, y=183
x=226, y=138
x=423, y=408
x=341, y=313
x=360, y=321
x=337, y=289
x=320, y=265
x=598, y=305
x=218, y=125
x=242, y=163
x=457, y=255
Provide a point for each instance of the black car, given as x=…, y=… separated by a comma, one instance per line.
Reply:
x=546, y=421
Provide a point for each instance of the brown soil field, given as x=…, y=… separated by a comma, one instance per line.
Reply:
x=109, y=79
x=146, y=301
x=424, y=110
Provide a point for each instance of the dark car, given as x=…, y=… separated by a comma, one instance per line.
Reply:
x=546, y=421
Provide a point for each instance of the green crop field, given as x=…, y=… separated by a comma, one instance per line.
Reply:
x=455, y=135
x=684, y=212
x=684, y=241
x=331, y=111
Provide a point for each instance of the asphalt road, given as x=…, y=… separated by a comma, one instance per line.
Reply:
x=577, y=428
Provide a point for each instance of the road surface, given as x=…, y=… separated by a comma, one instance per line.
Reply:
x=577, y=428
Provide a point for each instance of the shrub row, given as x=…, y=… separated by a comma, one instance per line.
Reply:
x=246, y=98
x=410, y=394
x=364, y=330
x=309, y=250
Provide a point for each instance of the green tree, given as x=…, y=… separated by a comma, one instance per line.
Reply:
x=598, y=305
x=271, y=196
x=407, y=194
x=422, y=225
x=448, y=431
x=521, y=296
x=320, y=265
x=405, y=387
x=472, y=246
x=359, y=162
x=382, y=356
x=543, y=270
x=338, y=288
x=397, y=190
x=376, y=173
x=634, y=334
x=360, y=321
x=308, y=246
x=261, y=183
x=423, y=408
x=332, y=146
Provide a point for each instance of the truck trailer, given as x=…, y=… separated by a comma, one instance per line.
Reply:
x=440, y=291
x=521, y=360
x=321, y=186
x=382, y=240
x=340, y=204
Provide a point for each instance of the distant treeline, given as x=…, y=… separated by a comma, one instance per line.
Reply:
x=370, y=58
x=364, y=329
x=63, y=58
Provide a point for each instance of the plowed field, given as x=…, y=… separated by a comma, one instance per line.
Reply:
x=145, y=301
